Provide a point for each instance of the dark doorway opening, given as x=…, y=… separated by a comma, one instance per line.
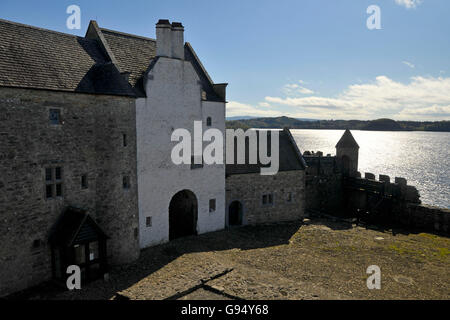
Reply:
x=346, y=166
x=235, y=214
x=183, y=215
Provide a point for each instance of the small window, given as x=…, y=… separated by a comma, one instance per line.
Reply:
x=59, y=190
x=93, y=250
x=267, y=199
x=212, y=205
x=53, y=182
x=48, y=174
x=148, y=222
x=54, y=116
x=84, y=182
x=124, y=140
x=289, y=197
x=58, y=173
x=208, y=122
x=36, y=243
x=126, y=182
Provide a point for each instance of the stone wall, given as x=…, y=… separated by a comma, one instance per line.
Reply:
x=324, y=193
x=425, y=217
x=248, y=189
x=88, y=141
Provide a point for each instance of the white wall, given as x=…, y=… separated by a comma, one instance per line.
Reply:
x=174, y=101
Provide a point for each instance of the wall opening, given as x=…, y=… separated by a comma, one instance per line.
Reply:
x=235, y=214
x=345, y=165
x=183, y=215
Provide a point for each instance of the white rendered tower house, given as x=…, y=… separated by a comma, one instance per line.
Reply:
x=177, y=200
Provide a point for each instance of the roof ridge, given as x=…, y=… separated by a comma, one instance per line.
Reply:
x=41, y=29
x=127, y=34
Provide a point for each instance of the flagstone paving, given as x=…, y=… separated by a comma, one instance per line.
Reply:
x=323, y=259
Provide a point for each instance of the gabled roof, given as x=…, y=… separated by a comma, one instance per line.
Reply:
x=133, y=55
x=103, y=62
x=75, y=226
x=347, y=141
x=290, y=157
x=37, y=58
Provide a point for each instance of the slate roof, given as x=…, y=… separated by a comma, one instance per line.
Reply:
x=347, y=141
x=290, y=156
x=32, y=57
x=75, y=226
x=133, y=55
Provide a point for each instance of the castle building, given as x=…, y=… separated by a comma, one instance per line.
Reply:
x=252, y=198
x=86, y=175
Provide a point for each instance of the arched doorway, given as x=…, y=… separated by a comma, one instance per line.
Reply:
x=183, y=215
x=235, y=214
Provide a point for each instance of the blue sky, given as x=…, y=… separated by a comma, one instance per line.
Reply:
x=300, y=58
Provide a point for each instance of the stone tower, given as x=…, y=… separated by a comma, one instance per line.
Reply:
x=347, y=154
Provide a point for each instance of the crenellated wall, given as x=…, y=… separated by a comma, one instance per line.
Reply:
x=382, y=201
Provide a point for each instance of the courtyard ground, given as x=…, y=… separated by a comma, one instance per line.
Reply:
x=321, y=259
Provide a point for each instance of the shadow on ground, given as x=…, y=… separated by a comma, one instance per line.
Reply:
x=154, y=258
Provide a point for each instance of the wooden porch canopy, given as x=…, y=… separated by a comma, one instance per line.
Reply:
x=76, y=239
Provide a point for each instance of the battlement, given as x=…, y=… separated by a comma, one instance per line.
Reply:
x=397, y=189
x=319, y=164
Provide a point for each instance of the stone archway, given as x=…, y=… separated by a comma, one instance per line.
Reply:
x=183, y=215
x=235, y=213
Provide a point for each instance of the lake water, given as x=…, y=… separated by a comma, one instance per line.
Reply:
x=420, y=157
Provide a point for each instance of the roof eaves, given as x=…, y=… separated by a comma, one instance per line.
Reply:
x=295, y=146
x=188, y=45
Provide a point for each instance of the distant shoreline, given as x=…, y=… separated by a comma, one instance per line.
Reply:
x=364, y=125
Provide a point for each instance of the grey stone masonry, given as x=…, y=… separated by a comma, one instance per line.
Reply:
x=384, y=178
x=85, y=139
x=286, y=188
x=369, y=176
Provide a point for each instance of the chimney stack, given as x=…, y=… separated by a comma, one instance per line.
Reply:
x=177, y=40
x=163, y=38
x=169, y=39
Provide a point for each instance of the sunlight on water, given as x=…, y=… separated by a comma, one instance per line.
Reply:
x=420, y=157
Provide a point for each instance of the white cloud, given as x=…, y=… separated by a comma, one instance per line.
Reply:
x=425, y=97
x=264, y=104
x=409, y=64
x=409, y=4
x=295, y=89
x=235, y=108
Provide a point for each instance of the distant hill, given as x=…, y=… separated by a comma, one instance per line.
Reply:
x=373, y=125
x=250, y=117
x=240, y=118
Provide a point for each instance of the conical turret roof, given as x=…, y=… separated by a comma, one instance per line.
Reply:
x=347, y=141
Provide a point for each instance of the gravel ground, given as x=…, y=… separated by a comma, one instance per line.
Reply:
x=322, y=259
